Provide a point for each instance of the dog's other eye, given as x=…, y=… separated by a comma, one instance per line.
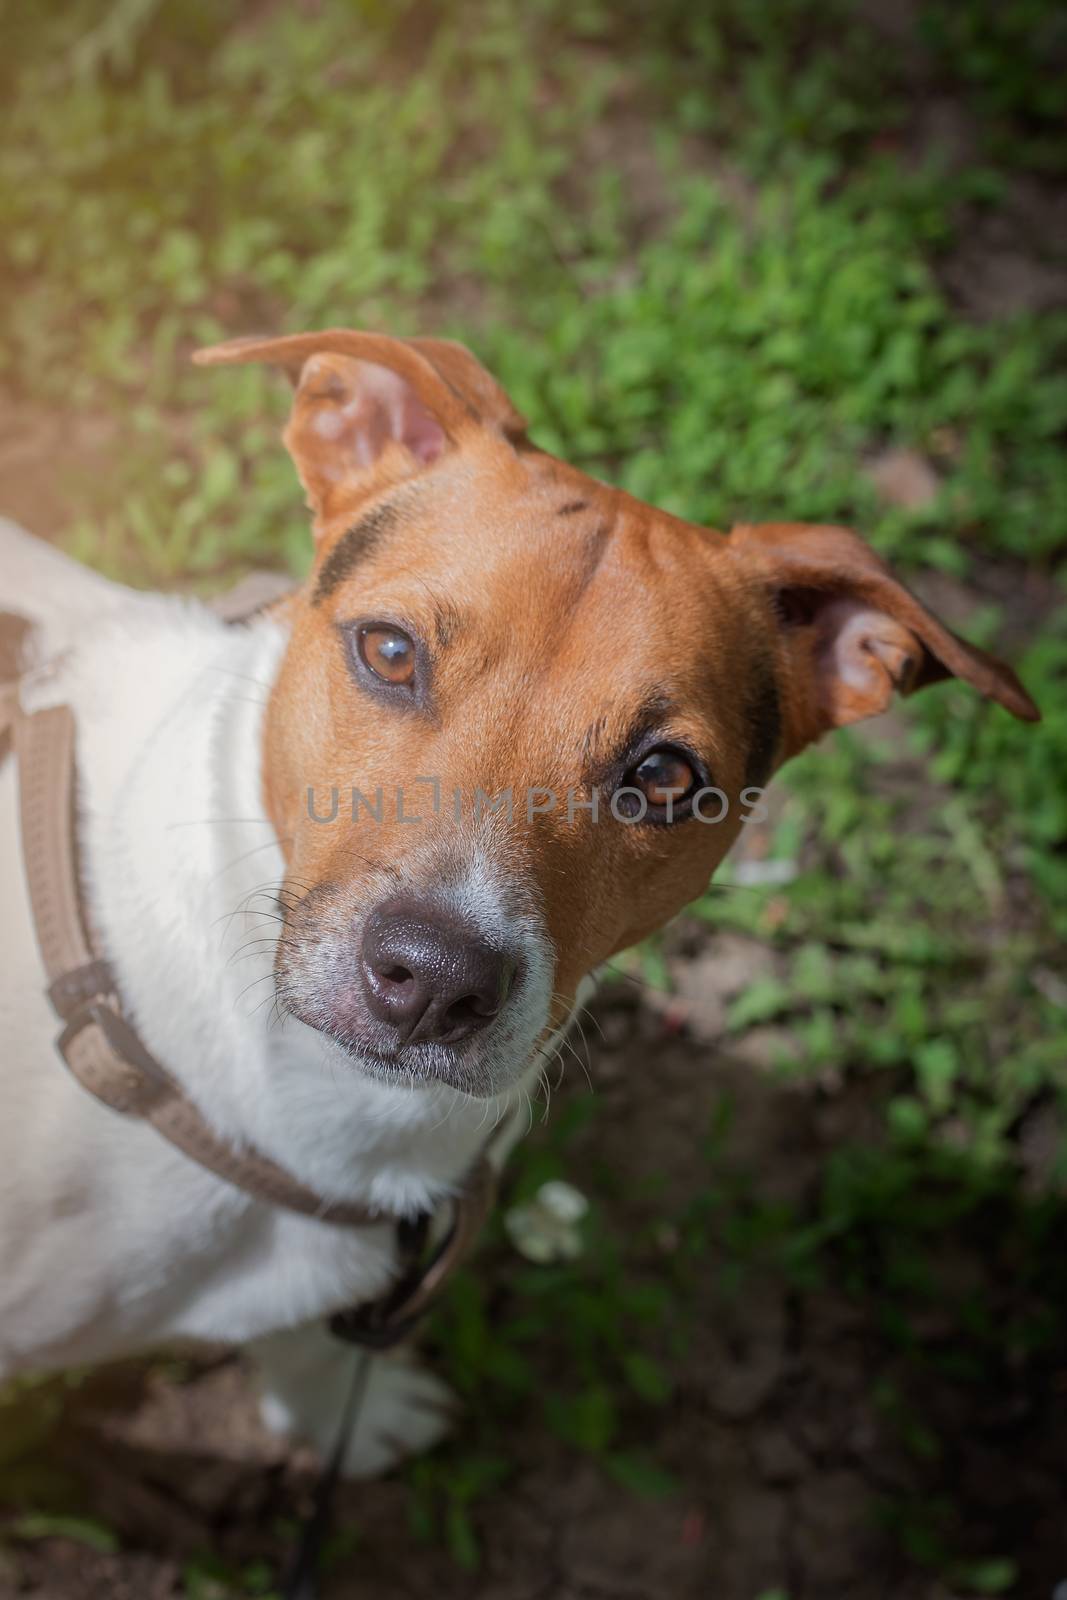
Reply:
x=668, y=779
x=388, y=652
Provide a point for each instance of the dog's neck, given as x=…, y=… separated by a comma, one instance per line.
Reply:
x=181, y=864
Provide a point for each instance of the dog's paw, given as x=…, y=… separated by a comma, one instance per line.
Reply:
x=405, y=1410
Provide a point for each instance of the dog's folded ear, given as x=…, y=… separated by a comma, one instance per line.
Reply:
x=851, y=634
x=370, y=409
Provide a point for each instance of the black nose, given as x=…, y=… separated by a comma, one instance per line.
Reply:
x=430, y=976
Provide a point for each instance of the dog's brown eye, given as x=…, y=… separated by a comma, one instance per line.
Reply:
x=664, y=776
x=388, y=653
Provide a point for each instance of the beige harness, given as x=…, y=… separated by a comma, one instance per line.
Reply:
x=107, y=1057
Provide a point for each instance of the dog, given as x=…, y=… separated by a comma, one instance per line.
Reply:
x=346, y=948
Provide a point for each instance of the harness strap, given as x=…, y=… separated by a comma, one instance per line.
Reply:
x=44, y=748
x=9, y=707
x=106, y=1055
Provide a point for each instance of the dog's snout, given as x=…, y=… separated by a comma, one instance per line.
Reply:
x=430, y=976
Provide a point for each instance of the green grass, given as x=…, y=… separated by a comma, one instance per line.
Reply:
x=693, y=244
x=308, y=171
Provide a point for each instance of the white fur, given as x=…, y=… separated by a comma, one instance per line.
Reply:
x=306, y=1377
x=111, y=1240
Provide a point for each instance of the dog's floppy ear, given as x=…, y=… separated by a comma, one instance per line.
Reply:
x=851, y=634
x=369, y=407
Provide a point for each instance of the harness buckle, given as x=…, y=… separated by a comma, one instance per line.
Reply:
x=70, y=991
x=121, y=1040
x=380, y=1324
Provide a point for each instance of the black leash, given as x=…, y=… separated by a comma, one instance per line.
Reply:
x=425, y=1267
x=368, y=1328
x=301, y=1580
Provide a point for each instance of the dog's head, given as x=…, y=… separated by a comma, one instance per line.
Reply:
x=523, y=716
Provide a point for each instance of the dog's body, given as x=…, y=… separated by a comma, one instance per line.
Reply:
x=111, y=1240
x=215, y=893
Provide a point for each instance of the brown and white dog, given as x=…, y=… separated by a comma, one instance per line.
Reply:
x=352, y=862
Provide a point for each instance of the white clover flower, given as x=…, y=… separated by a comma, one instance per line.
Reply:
x=548, y=1228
